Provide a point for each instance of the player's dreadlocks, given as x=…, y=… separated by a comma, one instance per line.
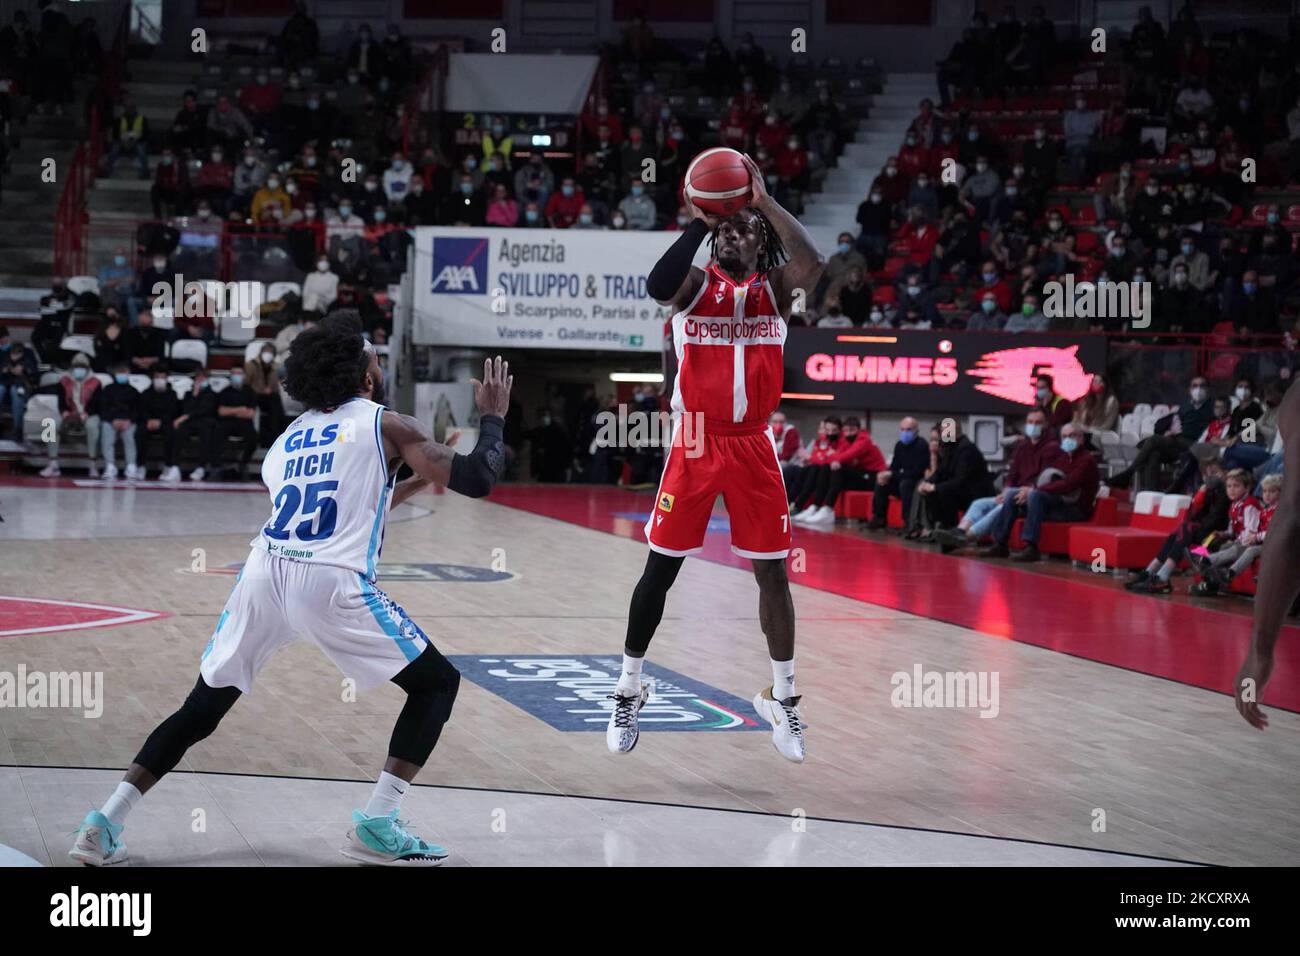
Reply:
x=773, y=252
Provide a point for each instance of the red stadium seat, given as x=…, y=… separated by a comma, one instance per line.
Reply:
x=1122, y=546
x=1086, y=242
x=1055, y=538
x=1085, y=216
x=884, y=295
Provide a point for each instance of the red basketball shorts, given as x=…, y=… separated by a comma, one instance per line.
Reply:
x=737, y=461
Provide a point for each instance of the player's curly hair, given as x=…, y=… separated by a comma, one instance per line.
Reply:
x=327, y=363
x=773, y=252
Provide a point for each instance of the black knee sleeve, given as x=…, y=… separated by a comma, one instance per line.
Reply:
x=197, y=718
x=647, y=607
x=431, y=684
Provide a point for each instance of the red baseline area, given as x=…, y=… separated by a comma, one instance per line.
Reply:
x=1095, y=620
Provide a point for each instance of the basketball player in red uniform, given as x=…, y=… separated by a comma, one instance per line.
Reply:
x=1279, y=572
x=728, y=333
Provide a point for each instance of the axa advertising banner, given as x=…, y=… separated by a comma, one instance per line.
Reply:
x=537, y=288
x=926, y=371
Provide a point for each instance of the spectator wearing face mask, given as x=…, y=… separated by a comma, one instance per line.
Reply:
x=918, y=237
x=260, y=374
x=144, y=344
x=465, y=206
x=1248, y=306
x=503, y=210
x=637, y=208
x=833, y=316
x=159, y=409
x=563, y=207
x=1033, y=454
x=77, y=388
x=823, y=124
x=271, y=192
x=130, y=138
x=1173, y=436
x=236, y=407
x=852, y=467
x=855, y=295
x=880, y=317
x=260, y=99
x=320, y=288
x=228, y=126
x=1098, y=411
x=989, y=317
x=913, y=157
x=397, y=179
x=792, y=164
x=840, y=263
x=1030, y=318
x=421, y=204
x=1206, y=515
x=170, y=191
x=891, y=184
x=961, y=478
x=875, y=217
x=587, y=218
x=118, y=406
x=1081, y=126
x=980, y=187
x=110, y=344
x=786, y=438
x=827, y=441
x=534, y=180
x=532, y=217
x=906, y=468
x=196, y=418
x=497, y=141
x=1058, y=409
x=923, y=195
x=116, y=280
x=1067, y=497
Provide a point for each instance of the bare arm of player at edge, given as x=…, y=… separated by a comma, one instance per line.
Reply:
x=1279, y=572
x=435, y=463
x=801, y=272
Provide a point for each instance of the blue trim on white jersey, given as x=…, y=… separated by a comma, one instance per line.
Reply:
x=382, y=608
x=372, y=550
x=220, y=623
x=379, y=442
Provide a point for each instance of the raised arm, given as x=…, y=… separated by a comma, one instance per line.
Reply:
x=1279, y=573
x=475, y=474
x=674, y=281
x=805, y=265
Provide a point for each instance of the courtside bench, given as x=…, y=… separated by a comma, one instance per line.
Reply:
x=1055, y=536
x=1133, y=545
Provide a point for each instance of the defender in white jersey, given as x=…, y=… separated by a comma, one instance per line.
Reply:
x=311, y=575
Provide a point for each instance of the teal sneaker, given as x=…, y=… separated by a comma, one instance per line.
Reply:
x=384, y=841
x=97, y=842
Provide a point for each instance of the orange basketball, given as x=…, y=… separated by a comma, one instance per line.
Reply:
x=718, y=181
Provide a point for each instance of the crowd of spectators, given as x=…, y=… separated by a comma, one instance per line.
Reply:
x=1125, y=167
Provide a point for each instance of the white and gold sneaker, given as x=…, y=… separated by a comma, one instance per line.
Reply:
x=787, y=723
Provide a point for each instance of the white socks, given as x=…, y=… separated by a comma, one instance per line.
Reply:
x=120, y=803
x=387, y=797
x=783, y=679
x=629, y=680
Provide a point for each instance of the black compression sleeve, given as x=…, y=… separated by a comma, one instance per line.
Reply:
x=475, y=474
x=672, y=268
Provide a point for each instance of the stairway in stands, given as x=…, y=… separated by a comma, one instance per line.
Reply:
x=834, y=209
x=118, y=202
x=28, y=204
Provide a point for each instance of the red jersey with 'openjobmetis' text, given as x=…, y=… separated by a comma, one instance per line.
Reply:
x=729, y=341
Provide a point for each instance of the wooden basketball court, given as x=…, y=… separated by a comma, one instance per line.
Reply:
x=1110, y=739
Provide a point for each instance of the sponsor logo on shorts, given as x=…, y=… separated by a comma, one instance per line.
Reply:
x=572, y=693
x=666, y=502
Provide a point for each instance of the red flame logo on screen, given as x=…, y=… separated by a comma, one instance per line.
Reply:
x=1010, y=373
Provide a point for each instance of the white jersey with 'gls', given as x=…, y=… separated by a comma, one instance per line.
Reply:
x=330, y=488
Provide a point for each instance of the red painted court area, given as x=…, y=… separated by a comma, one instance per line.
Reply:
x=1071, y=614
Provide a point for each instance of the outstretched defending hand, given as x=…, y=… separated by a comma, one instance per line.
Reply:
x=492, y=395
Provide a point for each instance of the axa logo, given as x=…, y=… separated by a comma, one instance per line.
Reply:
x=460, y=266
x=1011, y=373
